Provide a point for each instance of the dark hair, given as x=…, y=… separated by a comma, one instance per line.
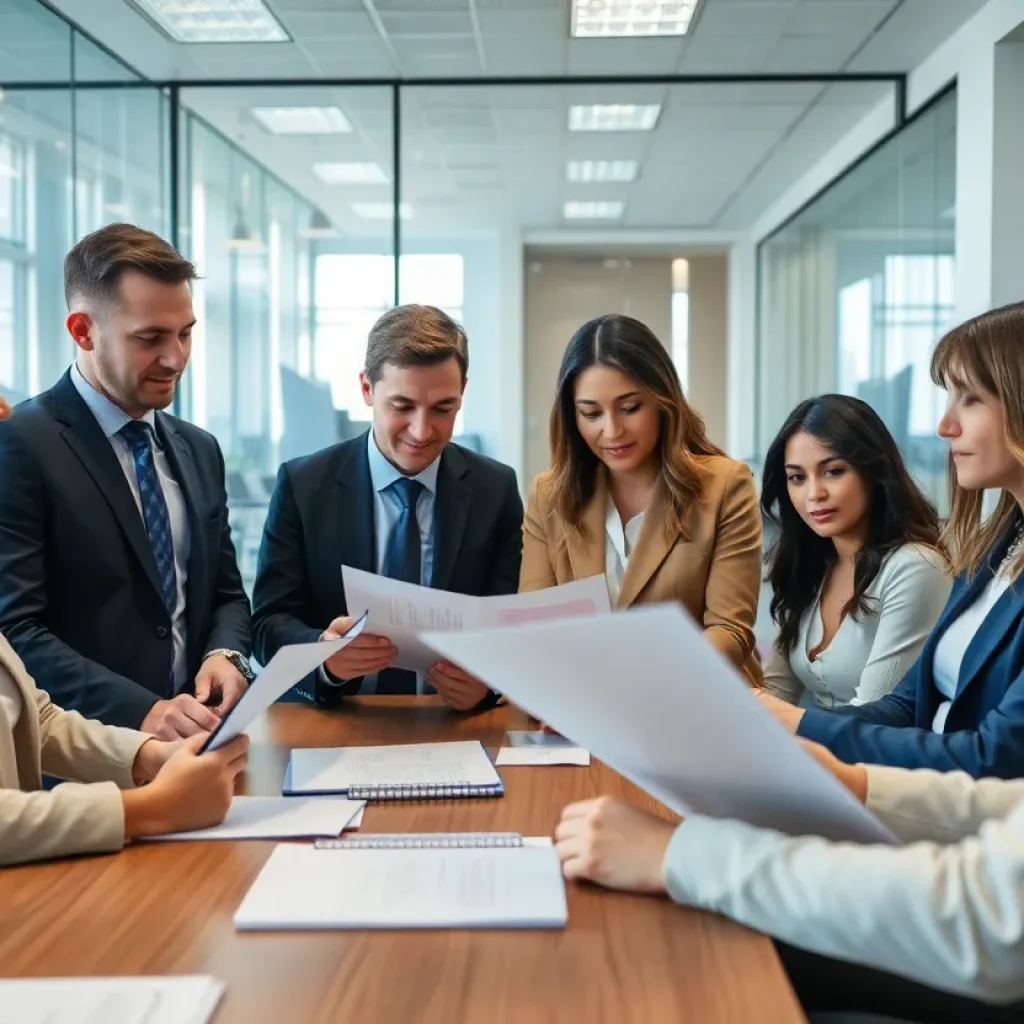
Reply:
x=415, y=336
x=93, y=268
x=629, y=346
x=898, y=512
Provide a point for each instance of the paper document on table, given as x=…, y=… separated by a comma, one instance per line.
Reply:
x=652, y=698
x=540, y=748
x=320, y=770
x=404, y=611
x=301, y=887
x=277, y=817
x=286, y=668
x=188, y=999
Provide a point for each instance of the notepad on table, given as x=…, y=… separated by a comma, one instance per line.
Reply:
x=538, y=748
x=188, y=999
x=306, y=888
x=413, y=771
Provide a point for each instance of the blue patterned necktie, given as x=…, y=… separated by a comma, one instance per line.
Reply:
x=154, y=509
x=402, y=561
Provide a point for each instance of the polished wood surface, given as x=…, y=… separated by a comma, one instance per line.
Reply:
x=167, y=909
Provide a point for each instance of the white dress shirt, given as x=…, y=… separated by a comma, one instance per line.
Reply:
x=619, y=543
x=11, y=703
x=111, y=419
x=869, y=655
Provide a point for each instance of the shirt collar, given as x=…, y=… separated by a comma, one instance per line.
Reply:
x=109, y=416
x=383, y=474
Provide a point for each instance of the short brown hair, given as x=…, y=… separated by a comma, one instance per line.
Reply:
x=415, y=336
x=93, y=268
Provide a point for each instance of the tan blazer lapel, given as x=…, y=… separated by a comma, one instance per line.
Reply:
x=587, y=558
x=23, y=744
x=652, y=548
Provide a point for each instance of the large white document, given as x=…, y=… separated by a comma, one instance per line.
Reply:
x=277, y=817
x=302, y=887
x=286, y=668
x=647, y=694
x=402, y=611
x=187, y=999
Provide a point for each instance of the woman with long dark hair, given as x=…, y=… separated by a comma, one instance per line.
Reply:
x=857, y=580
x=638, y=493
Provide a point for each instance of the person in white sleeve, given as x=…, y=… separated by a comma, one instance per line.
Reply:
x=932, y=930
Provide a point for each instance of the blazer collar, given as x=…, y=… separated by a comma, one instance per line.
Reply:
x=587, y=555
x=451, y=513
x=353, y=474
x=652, y=548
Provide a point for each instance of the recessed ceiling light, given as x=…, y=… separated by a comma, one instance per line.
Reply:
x=350, y=174
x=593, y=211
x=597, y=18
x=381, y=211
x=215, y=21
x=614, y=117
x=601, y=170
x=302, y=120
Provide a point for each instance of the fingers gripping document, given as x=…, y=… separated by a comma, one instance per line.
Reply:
x=402, y=611
x=648, y=695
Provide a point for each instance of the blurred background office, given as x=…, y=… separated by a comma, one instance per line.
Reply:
x=797, y=195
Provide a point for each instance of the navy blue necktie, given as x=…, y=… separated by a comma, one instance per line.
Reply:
x=403, y=559
x=154, y=509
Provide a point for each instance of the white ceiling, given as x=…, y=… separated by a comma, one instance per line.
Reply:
x=482, y=157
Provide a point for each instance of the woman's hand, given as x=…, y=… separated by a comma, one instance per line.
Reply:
x=787, y=714
x=853, y=776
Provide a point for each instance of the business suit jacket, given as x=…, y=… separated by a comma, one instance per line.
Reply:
x=71, y=818
x=946, y=911
x=984, y=732
x=322, y=517
x=80, y=598
x=715, y=573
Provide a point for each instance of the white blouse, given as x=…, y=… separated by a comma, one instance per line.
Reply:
x=869, y=655
x=619, y=543
x=11, y=702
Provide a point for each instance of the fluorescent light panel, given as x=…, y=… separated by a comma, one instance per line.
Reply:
x=601, y=170
x=302, y=120
x=610, y=18
x=215, y=21
x=350, y=174
x=381, y=211
x=614, y=117
x=607, y=210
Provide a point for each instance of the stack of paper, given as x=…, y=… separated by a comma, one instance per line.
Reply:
x=540, y=748
x=301, y=887
x=190, y=999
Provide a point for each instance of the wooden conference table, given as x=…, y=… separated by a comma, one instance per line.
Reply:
x=167, y=909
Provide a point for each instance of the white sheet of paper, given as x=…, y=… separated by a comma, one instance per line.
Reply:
x=648, y=695
x=277, y=817
x=539, y=755
x=188, y=999
x=301, y=887
x=337, y=769
x=286, y=668
x=355, y=821
x=403, y=611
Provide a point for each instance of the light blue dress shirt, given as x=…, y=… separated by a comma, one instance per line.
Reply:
x=111, y=419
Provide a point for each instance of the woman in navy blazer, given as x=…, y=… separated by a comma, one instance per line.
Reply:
x=961, y=705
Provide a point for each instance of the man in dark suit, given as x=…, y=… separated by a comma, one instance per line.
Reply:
x=400, y=501
x=118, y=582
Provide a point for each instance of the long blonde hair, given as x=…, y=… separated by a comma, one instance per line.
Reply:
x=985, y=352
x=630, y=346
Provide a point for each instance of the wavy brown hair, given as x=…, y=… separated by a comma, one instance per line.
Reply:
x=631, y=347
x=986, y=352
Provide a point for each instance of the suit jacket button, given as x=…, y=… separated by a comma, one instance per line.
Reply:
x=162, y=631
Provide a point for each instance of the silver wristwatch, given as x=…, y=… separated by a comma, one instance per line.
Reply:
x=240, y=661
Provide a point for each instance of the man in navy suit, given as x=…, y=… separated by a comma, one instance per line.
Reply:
x=118, y=582
x=401, y=501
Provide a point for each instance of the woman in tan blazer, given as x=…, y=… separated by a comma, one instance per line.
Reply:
x=187, y=790
x=637, y=492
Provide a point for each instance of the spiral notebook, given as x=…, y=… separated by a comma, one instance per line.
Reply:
x=412, y=771
x=433, y=841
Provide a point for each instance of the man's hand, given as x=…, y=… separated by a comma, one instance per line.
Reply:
x=219, y=683
x=788, y=714
x=183, y=716
x=614, y=844
x=150, y=758
x=362, y=656
x=456, y=688
x=190, y=791
x=853, y=776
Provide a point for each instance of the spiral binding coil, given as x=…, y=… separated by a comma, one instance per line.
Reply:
x=425, y=841
x=424, y=791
